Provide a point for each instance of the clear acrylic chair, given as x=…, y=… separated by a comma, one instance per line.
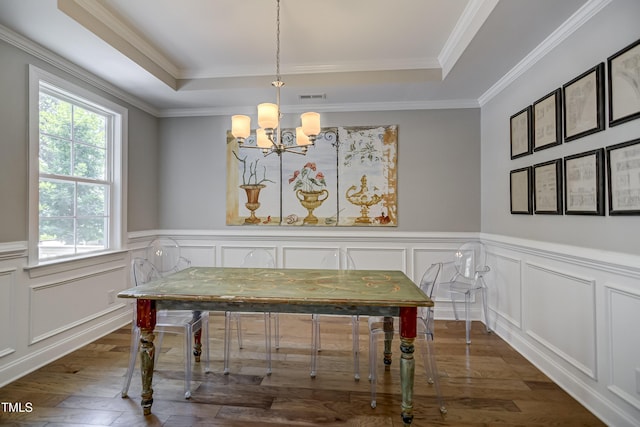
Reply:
x=338, y=260
x=466, y=279
x=256, y=258
x=164, y=253
x=167, y=321
x=424, y=337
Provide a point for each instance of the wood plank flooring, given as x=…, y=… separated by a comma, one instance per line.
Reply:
x=484, y=384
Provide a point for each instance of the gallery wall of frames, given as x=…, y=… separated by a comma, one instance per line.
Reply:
x=576, y=184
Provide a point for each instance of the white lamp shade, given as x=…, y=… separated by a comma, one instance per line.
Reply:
x=301, y=138
x=262, y=140
x=240, y=126
x=310, y=123
x=268, y=116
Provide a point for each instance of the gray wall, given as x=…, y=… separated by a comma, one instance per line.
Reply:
x=609, y=31
x=14, y=149
x=438, y=170
x=14, y=84
x=144, y=173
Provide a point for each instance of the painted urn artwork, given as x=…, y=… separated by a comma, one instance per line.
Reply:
x=364, y=199
x=310, y=187
x=252, y=186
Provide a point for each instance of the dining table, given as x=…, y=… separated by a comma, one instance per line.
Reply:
x=387, y=293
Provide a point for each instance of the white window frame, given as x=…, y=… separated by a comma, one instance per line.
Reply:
x=116, y=163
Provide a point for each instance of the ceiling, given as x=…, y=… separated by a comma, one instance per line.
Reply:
x=194, y=57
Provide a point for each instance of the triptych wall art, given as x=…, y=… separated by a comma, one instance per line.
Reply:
x=575, y=185
x=349, y=178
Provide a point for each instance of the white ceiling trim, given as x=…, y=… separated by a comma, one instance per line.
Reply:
x=575, y=21
x=472, y=18
x=329, y=108
x=66, y=66
x=362, y=66
x=113, y=31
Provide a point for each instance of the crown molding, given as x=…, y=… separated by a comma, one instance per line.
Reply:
x=329, y=108
x=472, y=18
x=575, y=21
x=106, y=25
x=68, y=67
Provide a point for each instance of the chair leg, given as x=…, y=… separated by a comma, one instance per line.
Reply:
x=467, y=312
x=277, y=329
x=355, y=332
x=135, y=342
x=267, y=340
x=188, y=336
x=372, y=367
x=227, y=339
x=158, y=344
x=432, y=373
x=315, y=339
x=205, y=338
x=238, y=319
x=455, y=308
x=485, y=308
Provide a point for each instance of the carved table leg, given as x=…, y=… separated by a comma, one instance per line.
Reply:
x=146, y=316
x=407, y=362
x=387, y=327
x=197, y=338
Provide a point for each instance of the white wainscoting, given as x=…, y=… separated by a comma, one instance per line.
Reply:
x=51, y=310
x=7, y=311
x=573, y=312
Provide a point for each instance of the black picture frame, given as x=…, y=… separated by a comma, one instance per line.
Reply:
x=583, y=104
x=623, y=178
x=623, y=75
x=547, y=121
x=584, y=183
x=521, y=133
x=521, y=201
x=547, y=187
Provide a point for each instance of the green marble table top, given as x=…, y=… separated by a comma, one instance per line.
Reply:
x=284, y=286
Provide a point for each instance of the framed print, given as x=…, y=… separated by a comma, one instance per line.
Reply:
x=547, y=187
x=623, y=175
x=547, y=121
x=624, y=84
x=520, y=187
x=584, y=183
x=521, y=133
x=583, y=99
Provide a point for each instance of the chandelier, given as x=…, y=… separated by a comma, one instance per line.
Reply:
x=270, y=138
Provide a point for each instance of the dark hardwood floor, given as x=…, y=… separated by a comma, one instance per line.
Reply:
x=484, y=384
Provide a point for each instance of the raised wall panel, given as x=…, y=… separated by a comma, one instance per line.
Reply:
x=504, y=285
x=55, y=307
x=560, y=313
x=422, y=259
x=199, y=255
x=233, y=256
x=7, y=314
x=306, y=256
x=380, y=258
x=624, y=321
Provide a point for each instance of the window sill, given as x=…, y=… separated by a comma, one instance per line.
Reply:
x=46, y=268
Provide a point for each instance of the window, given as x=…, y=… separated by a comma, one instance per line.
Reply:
x=76, y=187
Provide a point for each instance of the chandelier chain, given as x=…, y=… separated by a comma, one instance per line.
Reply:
x=278, y=41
